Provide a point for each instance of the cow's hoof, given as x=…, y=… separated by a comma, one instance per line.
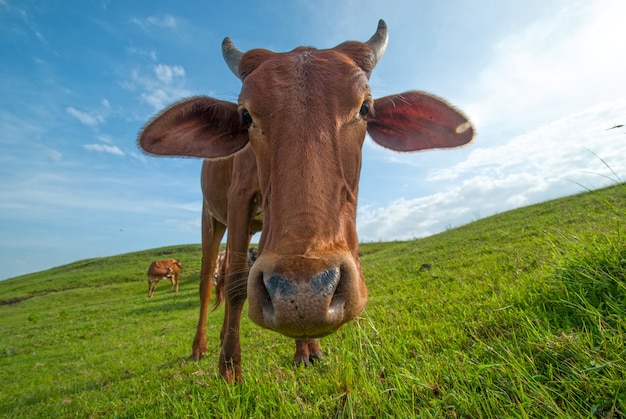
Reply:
x=230, y=372
x=307, y=352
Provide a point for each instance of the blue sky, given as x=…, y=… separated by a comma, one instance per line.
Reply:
x=542, y=81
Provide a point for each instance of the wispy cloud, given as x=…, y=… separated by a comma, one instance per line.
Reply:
x=542, y=105
x=91, y=118
x=105, y=138
x=151, y=54
x=164, y=22
x=167, y=73
x=161, y=86
x=52, y=154
x=542, y=97
x=11, y=8
x=552, y=150
x=566, y=63
x=564, y=156
x=87, y=118
x=104, y=148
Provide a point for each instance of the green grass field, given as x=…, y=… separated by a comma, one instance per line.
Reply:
x=522, y=314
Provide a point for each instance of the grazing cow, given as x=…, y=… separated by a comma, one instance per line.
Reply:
x=300, y=123
x=220, y=272
x=160, y=269
x=220, y=265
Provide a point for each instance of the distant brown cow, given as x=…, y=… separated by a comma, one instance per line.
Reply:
x=160, y=269
x=220, y=272
x=220, y=263
x=219, y=267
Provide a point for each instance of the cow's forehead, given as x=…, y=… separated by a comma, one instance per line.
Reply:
x=306, y=75
x=305, y=57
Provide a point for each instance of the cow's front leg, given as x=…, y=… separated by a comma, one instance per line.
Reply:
x=151, y=287
x=230, y=356
x=241, y=205
x=307, y=352
x=212, y=233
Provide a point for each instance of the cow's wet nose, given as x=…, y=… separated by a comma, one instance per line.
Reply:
x=323, y=284
x=304, y=307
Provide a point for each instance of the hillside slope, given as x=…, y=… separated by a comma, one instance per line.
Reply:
x=585, y=212
x=519, y=314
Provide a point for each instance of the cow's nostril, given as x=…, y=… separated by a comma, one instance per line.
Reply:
x=326, y=282
x=323, y=284
x=278, y=285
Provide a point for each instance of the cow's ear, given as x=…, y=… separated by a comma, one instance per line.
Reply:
x=416, y=121
x=196, y=127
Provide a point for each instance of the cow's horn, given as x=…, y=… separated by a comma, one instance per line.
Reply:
x=378, y=41
x=231, y=55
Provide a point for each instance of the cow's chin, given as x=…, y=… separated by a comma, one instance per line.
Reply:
x=311, y=298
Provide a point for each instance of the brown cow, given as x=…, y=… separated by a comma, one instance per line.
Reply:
x=160, y=269
x=301, y=117
x=220, y=266
x=219, y=274
x=220, y=263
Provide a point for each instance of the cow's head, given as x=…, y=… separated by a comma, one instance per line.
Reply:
x=305, y=113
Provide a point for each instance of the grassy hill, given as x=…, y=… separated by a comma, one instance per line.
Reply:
x=522, y=314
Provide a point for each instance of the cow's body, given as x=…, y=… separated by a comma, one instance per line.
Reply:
x=296, y=134
x=219, y=275
x=220, y=266
x=161, y=269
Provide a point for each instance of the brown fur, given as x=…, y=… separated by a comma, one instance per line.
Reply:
x=296, y=134
x=161, y=269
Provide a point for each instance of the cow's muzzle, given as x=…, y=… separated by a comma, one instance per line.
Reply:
x=305, y=307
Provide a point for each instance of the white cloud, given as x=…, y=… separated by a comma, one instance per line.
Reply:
x=103, y=148
x=151, y=54
x=554, y=67
x=560, y=158
x=91, y=118
x=167, y=73
x=105, y=139
x=87, y=118
x=139, y=157
x=165, y=21
x=41, y=37
x=156, y=98
x=52, y=154
x=542, y=107
x=552, y=150
x=405, y=219
x=165, y=85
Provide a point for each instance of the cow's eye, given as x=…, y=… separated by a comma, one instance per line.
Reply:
x=365, y=109
x=246, y=117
